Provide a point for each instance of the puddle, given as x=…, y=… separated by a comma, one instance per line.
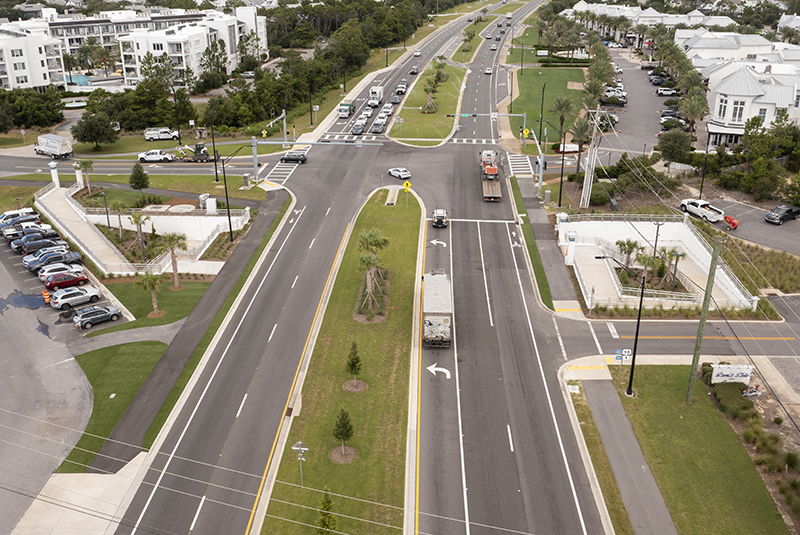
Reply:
x=18, y=299
x=44, y=329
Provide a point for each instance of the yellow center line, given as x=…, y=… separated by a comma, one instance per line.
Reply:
x=294, y=382
x=779, y=338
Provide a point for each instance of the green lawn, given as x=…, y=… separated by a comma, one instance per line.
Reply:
x=186, y=183
x=119, y=371
x=538, y=268
x=177, y=305
x=16, y=140
x=508, y=8
x=529, y=38
x=708, y=480
x=530, y=100
x=431, y=125
x=379, y=414
x=12, y=197
x=125, y=196
x=180, y=384
x=469, y=8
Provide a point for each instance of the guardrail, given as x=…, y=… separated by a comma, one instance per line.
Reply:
x=646, y=218
x=196, y=252
x=92, y=210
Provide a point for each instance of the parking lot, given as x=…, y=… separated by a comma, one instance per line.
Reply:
x=752, y=226
x=30, y=296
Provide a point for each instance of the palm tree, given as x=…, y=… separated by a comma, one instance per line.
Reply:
x=540, y=27
x=150, y=282
x=440, y=65
x=694, y=107
x=70, y=62
x=430, y=90
x=624, y=26
x=88, y=52
x=640, y=30
x=137, y=218
x=107, y=58
x=173, y=241
x=550, y=40
x=593, y=89
x=572, y=40
x=580, y=133
x=86, y=167
x=119, y=207
x=689, y=79
x=371, y=242
x=628, y=247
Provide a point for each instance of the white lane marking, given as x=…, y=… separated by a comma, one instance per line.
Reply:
x=240, y=406
x=295, y=280
x=213, y=375
x=272, y=333
x=485, y=284
x=312, y=243
x=328, y=210
x=458, y=398
x=202, y=501
x=547, y=392
x=612, y=330
x=596, y=341
x=510, y=440
x=560, y=341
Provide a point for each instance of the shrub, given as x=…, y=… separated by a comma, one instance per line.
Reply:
x=672, y=102
x=599, y=197
x=731, y=401
x=731, y=180
x=147, y=199
x=668, y=84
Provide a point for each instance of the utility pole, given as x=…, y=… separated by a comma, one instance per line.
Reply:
x=703, y=316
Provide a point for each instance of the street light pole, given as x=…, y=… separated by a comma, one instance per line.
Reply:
x=511, y=99
x=108, y=220
x=213, y=144
x=541, y=110
x=177, y=122
x=561, y=183
x=705, y=164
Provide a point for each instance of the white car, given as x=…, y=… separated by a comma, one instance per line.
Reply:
x=494, y=47
x=70, y=297
x=488, y=70
x=417, y=53
x=367, y=111
x=156, y=155
x=400, y=172
x=381, y=118
x=665, y=119
x=53, y=269
x=388, y=108
x=666, y=92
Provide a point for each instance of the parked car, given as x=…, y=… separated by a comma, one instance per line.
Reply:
x=296, y=157
x=156, y=155
x=400, y=172
x=782, y=213
x=672, y=118
x=20, y=219
x=18, y=246
x=60, y=267
x=87, y=317
x=7, y=216
x=32, y=247
x=65, y=280
x=703, y=210
x=614, y=44
x=54, y=258
x=26, y=260
x=21, y=229
x=666, y=92
x=657, y=80
x=70, y=297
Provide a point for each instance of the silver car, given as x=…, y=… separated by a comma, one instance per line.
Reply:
x=52, y=269
x=70, y=297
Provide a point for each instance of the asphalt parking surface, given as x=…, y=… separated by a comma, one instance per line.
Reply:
x=752, y=226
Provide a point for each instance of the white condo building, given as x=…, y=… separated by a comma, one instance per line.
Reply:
x=29, y=58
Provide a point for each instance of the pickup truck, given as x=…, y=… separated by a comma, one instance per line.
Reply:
x=18, y=231
x=703, y=210
x=782, y=213
x=54, y=258
x=19, y=245
x=152, y=134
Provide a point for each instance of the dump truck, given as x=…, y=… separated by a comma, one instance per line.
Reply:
x=56, y=147
x=375, y=96
x=346, y=108
x=198, y=153
x=437, y=310
x=489, y=176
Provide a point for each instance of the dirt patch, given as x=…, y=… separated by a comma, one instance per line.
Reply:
x=343, y=457
x=575, y=85
x=156, y=314
x=374, y=315
x=178, y=288
x=355, y=385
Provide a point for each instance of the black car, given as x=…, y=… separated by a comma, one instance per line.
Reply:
x=32, y=247
x=296, y=157
x=19, y=244
x=782, y=213
x=502, y=31
x=413, y=70
x=508, y=24
x=17, y=233
x=657, y=80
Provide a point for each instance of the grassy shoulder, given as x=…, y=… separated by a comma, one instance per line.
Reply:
x=705, y=475
x=531, y=81
x=116, y=373
x=508, y=8
x=474, y=44
x=12, y=197
x=194, y=360
x=428, y=126
x=602, y=467
x=186, y=183
x=379, y=414
x=533, y=251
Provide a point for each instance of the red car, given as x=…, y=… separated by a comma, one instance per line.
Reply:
x=65, y=280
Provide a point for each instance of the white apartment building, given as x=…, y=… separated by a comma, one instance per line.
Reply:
x=29, y=58
x=702, y=44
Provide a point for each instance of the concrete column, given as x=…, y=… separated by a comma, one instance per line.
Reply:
x=79, y=175
x=54, y=174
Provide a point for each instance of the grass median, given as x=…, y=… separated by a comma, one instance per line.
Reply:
x=379, y=414
x=706, y=477
x=474, y=44
x=429, y=126
x=508, y=8
x=116, y=373
x=533, y=251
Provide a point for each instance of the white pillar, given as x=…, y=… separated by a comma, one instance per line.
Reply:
x=211, y=206
x=79, y=175
x=54, y=174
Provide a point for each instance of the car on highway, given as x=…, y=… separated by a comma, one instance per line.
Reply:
x=666, y=92
x=502, y=31
x=499, y=24
x=400, y=172
x=70, y=297
x=488, y=36
x=87, y=317
x=782, y=213
x=488, y=70
x=358, y=129
x=396, y=99
x=367, y=112
x=156, y=155
x=508, y=24
x=54, y=269
x=377, y=127
x=497, y=38
x=417, y=53
x=296, y=157
x=387, y=109
x=413, y=70
x=494, y=47
x=65, y=280
x=401, y=90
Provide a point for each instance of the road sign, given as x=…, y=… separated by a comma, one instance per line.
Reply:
x=626, y=355
x=407, y=185
x=399, y=120
x=618, y=355
x=465, y=115
x=263, y=133
x=300, y=448
x=315, y=107
x=526, y=132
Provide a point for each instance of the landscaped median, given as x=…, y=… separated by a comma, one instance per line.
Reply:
x=379, y=414
x=419, y=128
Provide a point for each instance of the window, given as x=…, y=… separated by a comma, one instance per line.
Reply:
x=42, y=62
x=19, y=66
x=762, y=114
x=158, y=46
x=723, y=107
x=797, y=101
x=16, y=52
x=44, y=76
x=40, y=50
x=22, y=79
x=738, y=111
